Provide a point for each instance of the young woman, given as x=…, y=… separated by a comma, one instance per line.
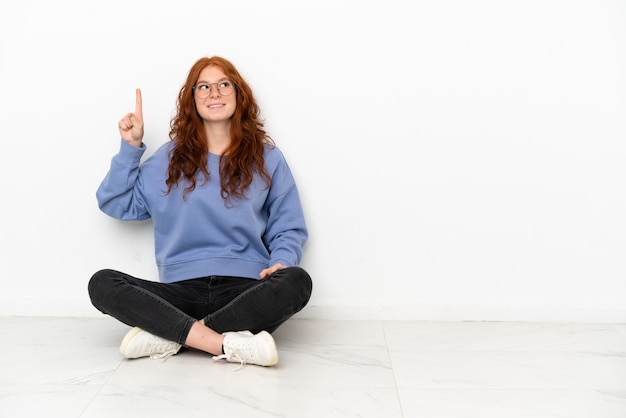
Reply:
x=228, y=227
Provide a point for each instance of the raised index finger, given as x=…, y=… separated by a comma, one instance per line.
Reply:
x=138, y=109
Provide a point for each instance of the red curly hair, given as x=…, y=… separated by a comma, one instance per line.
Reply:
x=244, y=156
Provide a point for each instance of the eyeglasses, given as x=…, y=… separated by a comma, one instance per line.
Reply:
x=203, y=90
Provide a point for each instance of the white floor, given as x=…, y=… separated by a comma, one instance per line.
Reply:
x=70, y=367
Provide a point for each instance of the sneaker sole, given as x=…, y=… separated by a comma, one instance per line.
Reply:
x=129, y=336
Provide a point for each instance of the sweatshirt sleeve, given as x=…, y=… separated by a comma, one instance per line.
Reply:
x=286, y=231
x=119, y=195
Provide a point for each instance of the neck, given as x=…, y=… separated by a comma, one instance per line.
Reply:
x=218, y=137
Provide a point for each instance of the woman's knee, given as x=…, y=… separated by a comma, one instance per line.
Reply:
x=300, y=282
x=99, y=284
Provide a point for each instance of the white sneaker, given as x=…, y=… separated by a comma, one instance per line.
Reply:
x=139, y=343
x=245, y=348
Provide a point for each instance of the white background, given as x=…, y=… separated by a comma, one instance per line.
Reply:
x=456, y=159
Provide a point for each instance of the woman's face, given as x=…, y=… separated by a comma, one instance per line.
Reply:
x=215, y=96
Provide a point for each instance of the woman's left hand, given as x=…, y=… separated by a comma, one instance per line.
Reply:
x=266, y=272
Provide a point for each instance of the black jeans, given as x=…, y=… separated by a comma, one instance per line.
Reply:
x=169, y=310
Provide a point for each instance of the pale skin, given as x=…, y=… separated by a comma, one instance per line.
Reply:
x=216, y=112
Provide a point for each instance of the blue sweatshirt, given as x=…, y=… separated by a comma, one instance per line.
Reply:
x=203, y=235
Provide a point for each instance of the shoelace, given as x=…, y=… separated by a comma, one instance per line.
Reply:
x=164, y=355
x=233, y=356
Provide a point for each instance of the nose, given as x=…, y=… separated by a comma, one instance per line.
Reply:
x=214, y=92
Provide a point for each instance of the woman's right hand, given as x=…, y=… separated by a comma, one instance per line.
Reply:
x=131, y=125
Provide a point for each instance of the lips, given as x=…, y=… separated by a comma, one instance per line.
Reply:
x=216, y=106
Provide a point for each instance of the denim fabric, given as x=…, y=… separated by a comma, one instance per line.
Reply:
x=224, y=303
